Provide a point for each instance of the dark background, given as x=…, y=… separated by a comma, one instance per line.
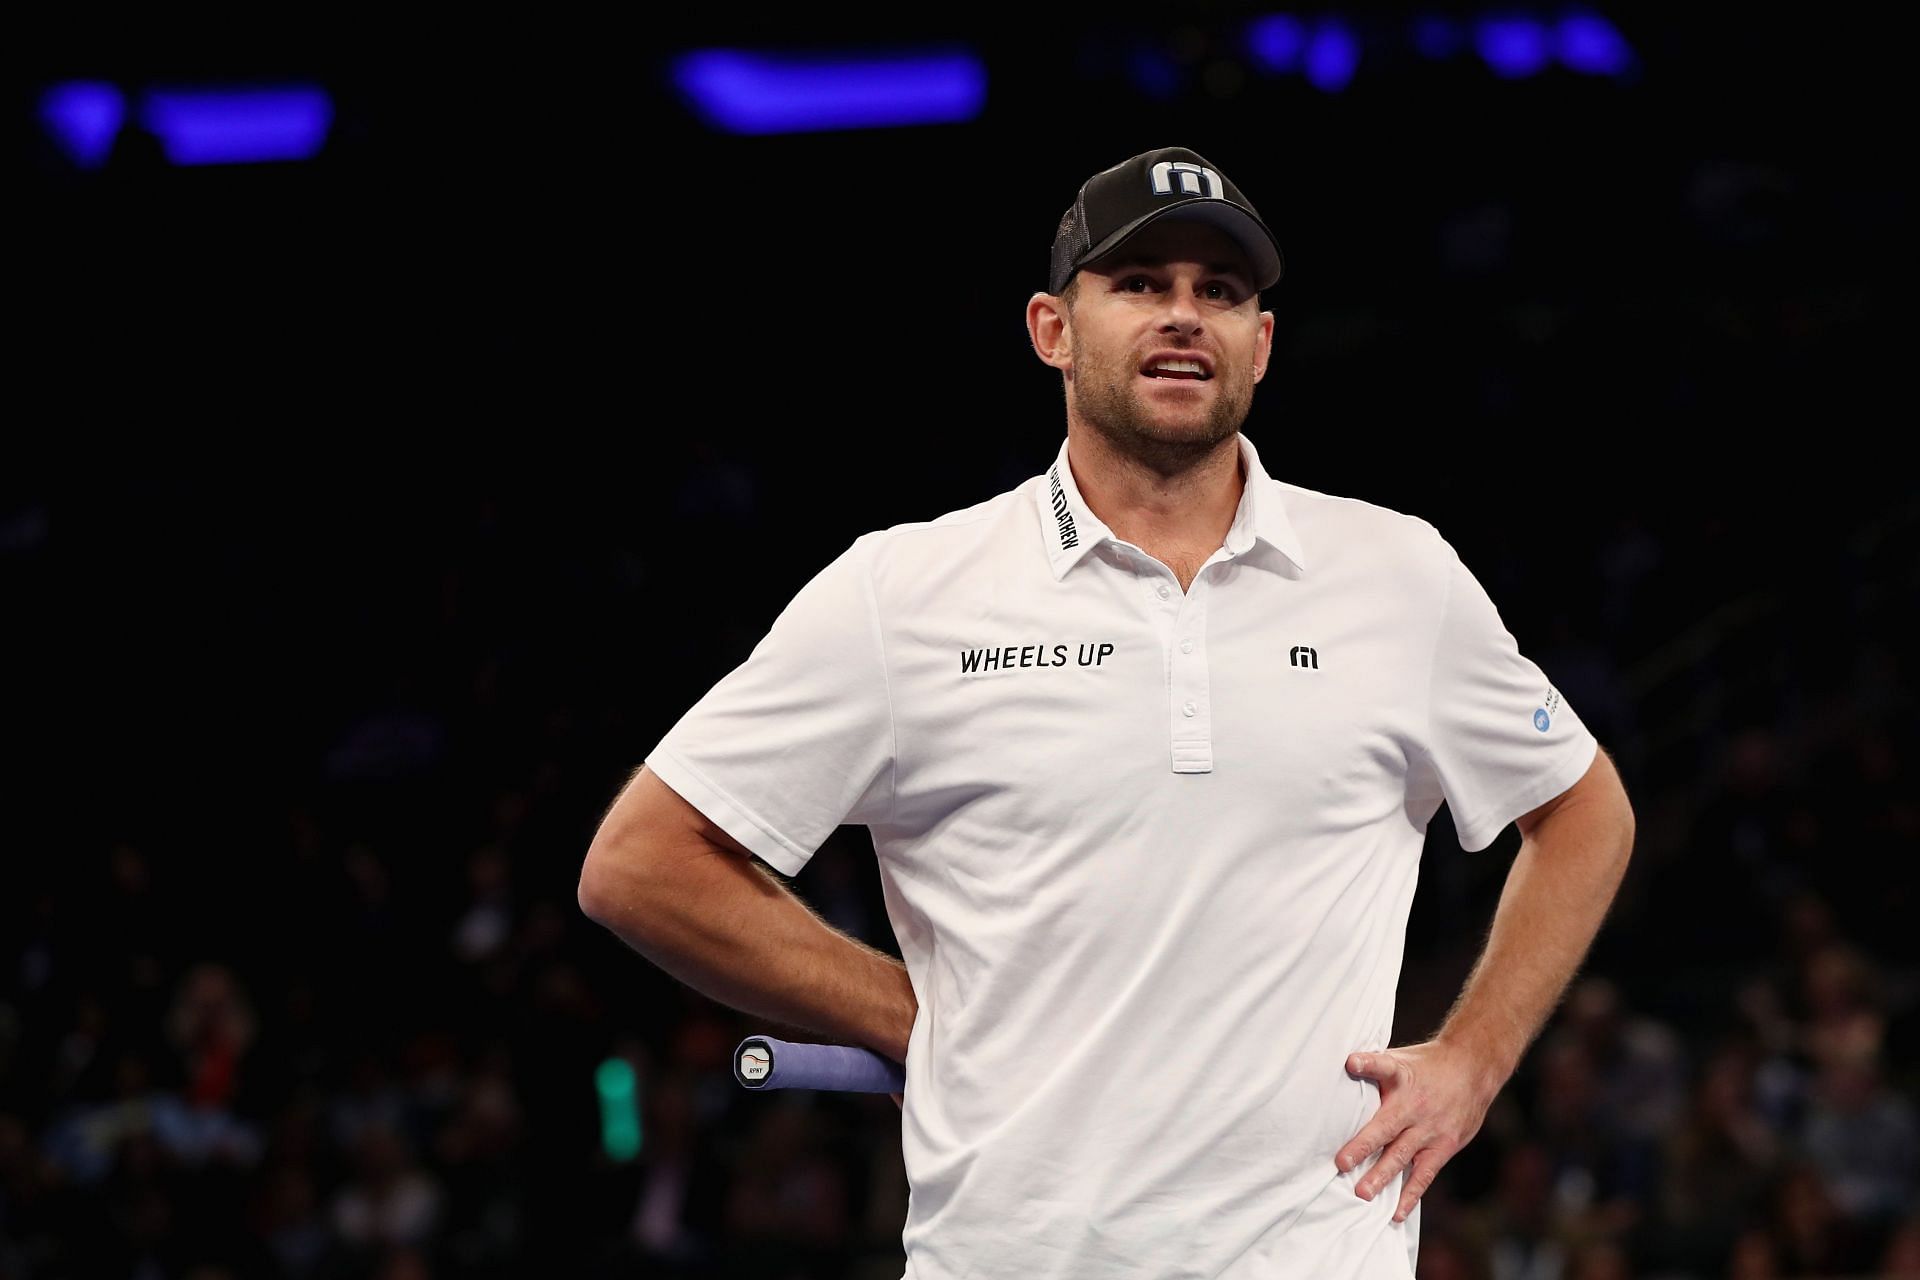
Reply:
x=367, y=519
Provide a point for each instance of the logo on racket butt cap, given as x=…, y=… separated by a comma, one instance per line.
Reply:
x=755, y=1061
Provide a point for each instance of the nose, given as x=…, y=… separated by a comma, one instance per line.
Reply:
x=1182, y=315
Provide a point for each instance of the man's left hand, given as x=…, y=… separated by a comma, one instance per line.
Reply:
x=1433, y=1097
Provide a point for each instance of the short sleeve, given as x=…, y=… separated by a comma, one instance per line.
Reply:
x=1500, y=740
x=798, y=738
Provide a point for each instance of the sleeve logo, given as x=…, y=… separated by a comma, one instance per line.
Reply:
x=1543, y=716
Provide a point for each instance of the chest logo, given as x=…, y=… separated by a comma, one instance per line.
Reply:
x=1302, y=656
x=1009, y=656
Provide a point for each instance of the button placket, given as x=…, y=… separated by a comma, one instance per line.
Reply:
x=1189, y=702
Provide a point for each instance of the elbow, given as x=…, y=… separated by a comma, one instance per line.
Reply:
x=1620, y=805
x=609, y=874
x=640, y=855
x=592, y=893
x=605, y=884
x=1623, y=819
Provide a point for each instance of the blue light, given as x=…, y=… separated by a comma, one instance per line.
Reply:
x=1593, y=46
x=1513, y=47
x=1332, y=56
x=1277, y=42
x=746, y=92
x=1153, y=73
x=84, y=117
x=238, y=126
x=1438, y=38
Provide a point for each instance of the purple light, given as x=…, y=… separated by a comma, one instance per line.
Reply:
x=1277, y=42
x=1513, y=47
x=1332, y=56
x=84, y=117
x=1593, y=46
x=741, y=91
x=238, y=126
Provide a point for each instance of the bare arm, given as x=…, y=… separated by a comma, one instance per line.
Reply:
x=1573, y=854
x=1435, y=1095
x=689, y=897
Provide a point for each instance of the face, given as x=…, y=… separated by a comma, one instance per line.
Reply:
x=1179, y=294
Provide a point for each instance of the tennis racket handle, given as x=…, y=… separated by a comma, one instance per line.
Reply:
x=762, y=1062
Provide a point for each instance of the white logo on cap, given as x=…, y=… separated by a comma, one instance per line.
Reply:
x=754, y=1063
x=1195, y=180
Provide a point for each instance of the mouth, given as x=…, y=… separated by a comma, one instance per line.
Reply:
x=1174, y=367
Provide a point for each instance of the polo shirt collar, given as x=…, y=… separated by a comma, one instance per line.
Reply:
x=1262, y=516
x=1070, y=529
x=1068, y=526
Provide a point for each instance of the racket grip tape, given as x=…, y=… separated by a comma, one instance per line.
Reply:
x=762, y=1062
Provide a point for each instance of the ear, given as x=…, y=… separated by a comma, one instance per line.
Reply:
x=1263, y=346
x=1050, y=330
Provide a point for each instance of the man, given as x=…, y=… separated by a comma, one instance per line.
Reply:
x=1148, y=747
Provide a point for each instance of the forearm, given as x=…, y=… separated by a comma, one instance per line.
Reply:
x=1557, y=893
x=731, y=931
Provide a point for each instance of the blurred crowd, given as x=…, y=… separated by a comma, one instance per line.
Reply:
x=171, y=1116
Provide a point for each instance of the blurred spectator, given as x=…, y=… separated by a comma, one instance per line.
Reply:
x=389, y=1200
x=211, y=1028
x=1594, y=1170
x=1901, y=1261
x=287, y=1217
x=669, y=1225
x=1600, y=1260
x=1443, y=1257
x=476, y=1145
x=406, y=1263
x=1755, y=1256
x=1720, y=1160
x=85, y=1145
x=1520, y=1227
x=371, y=1101
x=1813, y=1237
x=487, y=922
x=789, y=1199
x=1843, y=1014
x=1640, y=1066
x=1860, y=1135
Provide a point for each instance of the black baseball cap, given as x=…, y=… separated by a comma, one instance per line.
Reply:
x=1172, y=182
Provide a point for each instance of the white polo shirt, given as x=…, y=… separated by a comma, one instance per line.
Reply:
x=1148, y=855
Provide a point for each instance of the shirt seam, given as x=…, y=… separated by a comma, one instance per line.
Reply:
x=886, y=683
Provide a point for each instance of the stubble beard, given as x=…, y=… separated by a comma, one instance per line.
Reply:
x=1108, y=399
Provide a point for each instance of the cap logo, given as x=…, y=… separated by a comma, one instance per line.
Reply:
x=1195, y=180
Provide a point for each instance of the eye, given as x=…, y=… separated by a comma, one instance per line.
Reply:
x=1129, y=283
x=1219, y=292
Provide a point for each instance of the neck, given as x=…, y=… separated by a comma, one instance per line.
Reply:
x=1149, y=505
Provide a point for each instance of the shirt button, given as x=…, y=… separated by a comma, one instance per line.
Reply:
x=1162, y=590
x=1188, y=708
x=1186, y=646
